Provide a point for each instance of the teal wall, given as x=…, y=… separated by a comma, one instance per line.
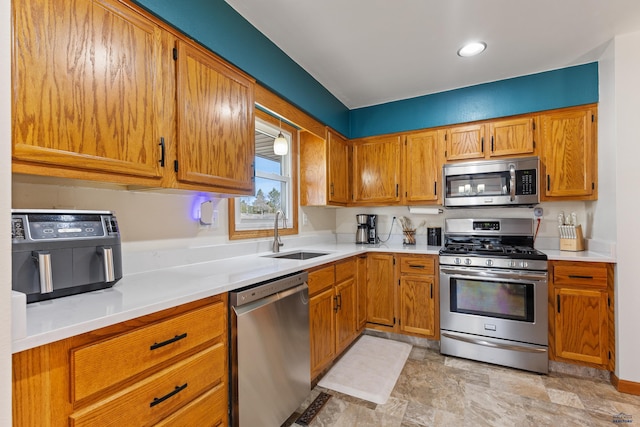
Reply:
x=537, y=92
x=220, y=28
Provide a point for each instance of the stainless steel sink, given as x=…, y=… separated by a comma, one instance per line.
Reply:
x=301, y=255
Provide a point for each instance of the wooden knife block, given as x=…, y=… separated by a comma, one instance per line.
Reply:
x=574, y=245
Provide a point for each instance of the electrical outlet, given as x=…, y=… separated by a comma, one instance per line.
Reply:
x=538, y=212
x=214, y=219
x=305, y=219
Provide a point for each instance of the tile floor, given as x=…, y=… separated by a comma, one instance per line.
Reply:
x=436, y=390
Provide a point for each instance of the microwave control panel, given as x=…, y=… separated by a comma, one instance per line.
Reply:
x=526, y=182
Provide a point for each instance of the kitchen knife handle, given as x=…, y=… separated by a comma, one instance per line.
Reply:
x=45, y=272
x=108, y=268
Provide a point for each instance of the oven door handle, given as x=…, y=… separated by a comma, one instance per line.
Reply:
x=486, y=343
x=478, y=273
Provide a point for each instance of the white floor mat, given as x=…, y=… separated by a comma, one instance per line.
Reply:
x=369, y=370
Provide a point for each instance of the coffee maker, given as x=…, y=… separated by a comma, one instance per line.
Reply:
x=367, y=231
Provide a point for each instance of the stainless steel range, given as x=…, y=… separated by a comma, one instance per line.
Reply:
x=493, y=293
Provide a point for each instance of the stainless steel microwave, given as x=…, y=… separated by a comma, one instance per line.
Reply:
x=506, y=182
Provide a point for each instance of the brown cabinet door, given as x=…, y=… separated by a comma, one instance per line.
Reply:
x=361, y=291
x=322, y=330
x=215, y=123
x=511, y=137
x=380, y=289
x=346, y=314
x=465, y=142
x=376, y=170
x=581, y=325
x=423, y=167
x=417, y=305
x=338, y=167
x=87, y=87
x=569, y=150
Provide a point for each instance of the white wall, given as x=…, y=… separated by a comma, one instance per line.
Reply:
x=627, y=172
x=5, y=206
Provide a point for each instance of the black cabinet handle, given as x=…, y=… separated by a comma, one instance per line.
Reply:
x=558, y=302
x=397, y=190
x=162, y=151
x=572, y=276
x=167, y=342
x=482, y=144
x=431, y=285
x=416, y=266
x=548, y=182
x=339, y=301
x=492, y=143
x=435, y=188
x=332, y=188
x=337, y=307
x=158, y=400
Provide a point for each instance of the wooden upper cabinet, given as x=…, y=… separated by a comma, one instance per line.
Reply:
x=423, y=167
x=338, y=168
x=465, y=142
x=511, y=137
x=569, y=154
x=376, y=170
x=87, y=89
x=215, y=122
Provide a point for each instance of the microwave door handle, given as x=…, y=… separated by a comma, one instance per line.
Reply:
x=45, y=273
x=512, y=182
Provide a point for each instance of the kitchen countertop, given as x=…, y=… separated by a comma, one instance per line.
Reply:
x=144, y=293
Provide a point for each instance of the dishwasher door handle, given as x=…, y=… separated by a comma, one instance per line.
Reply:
x=248, y=308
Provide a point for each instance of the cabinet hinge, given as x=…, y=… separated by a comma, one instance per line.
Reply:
x=445, y=136
x=534, y=125
x=445, y=153
x=609, y=301
x=609, y=354
x=394, y=260
x=534, y=143
x=175, y=165
x=399, y=321
x=593, y=118
x=398, y=282
x=175, y=53
x=593, y=185
x=394, y=320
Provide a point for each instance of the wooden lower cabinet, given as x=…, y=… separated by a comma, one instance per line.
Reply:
x=403, y=294
x=581, y=318
x=332, y=312
x=165, y=368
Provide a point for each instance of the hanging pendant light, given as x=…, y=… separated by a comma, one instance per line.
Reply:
x=280, y=144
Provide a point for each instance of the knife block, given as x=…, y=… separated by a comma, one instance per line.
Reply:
x=574, y=244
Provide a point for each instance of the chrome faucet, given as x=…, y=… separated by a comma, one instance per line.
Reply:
x=276, y=237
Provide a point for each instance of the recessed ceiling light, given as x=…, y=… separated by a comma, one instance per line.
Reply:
x=471, y=49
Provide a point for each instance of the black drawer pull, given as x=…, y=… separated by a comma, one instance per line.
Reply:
x=416, y=266
x=167, y=342
x=159, y=400
x=574, y=276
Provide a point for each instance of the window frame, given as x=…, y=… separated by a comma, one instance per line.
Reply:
x=292, y=217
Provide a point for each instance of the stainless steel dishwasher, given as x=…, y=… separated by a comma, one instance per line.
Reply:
x=269, y=351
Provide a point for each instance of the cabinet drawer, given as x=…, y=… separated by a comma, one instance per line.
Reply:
x=580, y=274
x=417, y=265
x=208, y=410
x=156, y=397
x=106, y=363
x=345, y=270
x=321, y=279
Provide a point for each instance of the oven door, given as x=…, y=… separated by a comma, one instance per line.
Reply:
x=505, y=304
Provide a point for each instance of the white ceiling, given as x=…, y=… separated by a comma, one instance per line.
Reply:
x=367, y=52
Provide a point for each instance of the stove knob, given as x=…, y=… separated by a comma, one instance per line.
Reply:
x=489, y=262
x=457, y=261
x=467, y=261
x=524, y=264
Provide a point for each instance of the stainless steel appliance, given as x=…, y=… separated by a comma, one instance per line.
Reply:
x=362, y=233
x=367, y=229
x=509, y=182
x=269, y=351
x=57, y=253
x=493, y=293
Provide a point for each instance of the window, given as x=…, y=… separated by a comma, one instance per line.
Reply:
x=275, y=185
